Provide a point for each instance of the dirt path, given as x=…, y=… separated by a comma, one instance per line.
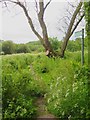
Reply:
x=42, y=113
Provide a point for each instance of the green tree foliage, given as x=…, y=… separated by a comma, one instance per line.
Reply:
x=74, y=45
x=22, y=48
x=35, y=46
x=8, y=47
x=55, y=43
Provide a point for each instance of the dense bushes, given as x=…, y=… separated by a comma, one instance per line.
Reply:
x=21, y=48
x=74, y=45
x=8, y=47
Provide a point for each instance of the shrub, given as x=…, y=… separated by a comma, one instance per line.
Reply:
x=22, y=48
x=16, y=91
x=8, y=47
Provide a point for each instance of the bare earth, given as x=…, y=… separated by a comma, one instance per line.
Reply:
x=42, y=112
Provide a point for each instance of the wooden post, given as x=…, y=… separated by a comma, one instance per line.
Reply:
x=82, y=48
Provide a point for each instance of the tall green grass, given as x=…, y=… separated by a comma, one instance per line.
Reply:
x=63, y=83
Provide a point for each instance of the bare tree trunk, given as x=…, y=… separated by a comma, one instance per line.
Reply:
x=44, y=39
x=69, y=31
x=31, y=24
x=44, y=28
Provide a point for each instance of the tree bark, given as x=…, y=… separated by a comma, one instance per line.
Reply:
x=44, y=28
x=31, y=23
x=77, y=24
x=69, y=31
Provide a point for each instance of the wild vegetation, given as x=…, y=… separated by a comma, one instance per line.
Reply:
x=62, y=82
x=8, y=47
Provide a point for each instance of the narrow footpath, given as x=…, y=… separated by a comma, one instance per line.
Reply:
x=42, y=113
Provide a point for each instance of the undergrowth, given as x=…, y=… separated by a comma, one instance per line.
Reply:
x=63, y=83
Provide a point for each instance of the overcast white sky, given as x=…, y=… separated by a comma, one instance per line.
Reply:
x=14, y=25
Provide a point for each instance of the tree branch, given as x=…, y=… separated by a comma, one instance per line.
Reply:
x=71, y=4
x=47, y=5
x=41, y=21
x=70, y=28
x=43, y=26
x=25, y=3
x=68, y=12
x=77, y=24
x=8, y=1
x=63, y=31
x=28, y=17
x=31, y=23
x=36, y=6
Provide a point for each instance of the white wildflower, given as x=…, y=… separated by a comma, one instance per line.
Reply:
x=56, y=84
x=76, y=75
x=66, y=94
x=76, y=105
x=63, y=113
x=53, y=96
x=51, y=87
x=69, y=117
x=63, y=78
x=82, y=111
x=48, y=100
x=58, y=78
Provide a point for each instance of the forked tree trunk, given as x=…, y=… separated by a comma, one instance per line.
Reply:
x=48, y=47
x=44, y=38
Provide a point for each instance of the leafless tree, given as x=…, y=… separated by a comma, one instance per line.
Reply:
x=40, y=10
x=71, y=22
x=40, y=14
